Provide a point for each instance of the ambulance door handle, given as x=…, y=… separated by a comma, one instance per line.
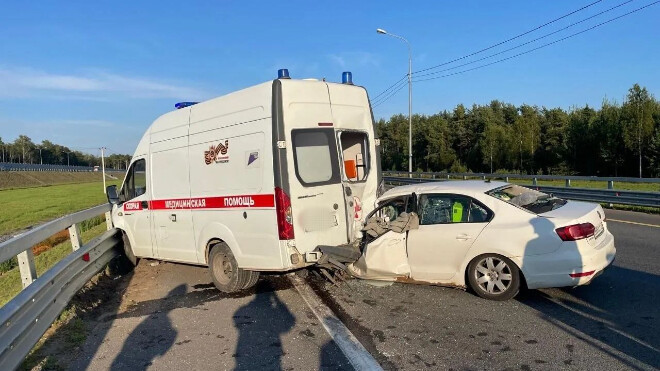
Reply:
x=145, y=204
x=173, y=217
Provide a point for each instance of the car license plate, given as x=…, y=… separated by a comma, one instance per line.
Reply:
x=599, y=231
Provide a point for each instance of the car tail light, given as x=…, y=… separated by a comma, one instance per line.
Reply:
x=581, y=274
x=576, y=231
x=284, y=215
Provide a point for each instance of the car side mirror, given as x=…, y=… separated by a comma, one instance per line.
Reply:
x=111, y=192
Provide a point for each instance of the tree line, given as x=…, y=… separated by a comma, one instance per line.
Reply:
x=24, y=151
x=614, y=140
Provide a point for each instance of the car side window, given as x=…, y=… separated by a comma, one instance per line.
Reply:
x=136, y=181
x=449, y=208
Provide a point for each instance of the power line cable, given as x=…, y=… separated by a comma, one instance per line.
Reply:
x=526, y=43
x=389, y=88
x=542, y=46
x=390, y=96
x=386, y=96
x=512, y=38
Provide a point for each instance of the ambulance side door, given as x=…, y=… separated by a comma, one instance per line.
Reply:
x=135, y=195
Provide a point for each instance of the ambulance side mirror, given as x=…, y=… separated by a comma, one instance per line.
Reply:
x=111, y=192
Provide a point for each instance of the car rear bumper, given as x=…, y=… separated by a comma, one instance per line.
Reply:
x=568, y=267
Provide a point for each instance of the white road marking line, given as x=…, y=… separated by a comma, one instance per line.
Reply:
x=354, y=351
x=629, y=222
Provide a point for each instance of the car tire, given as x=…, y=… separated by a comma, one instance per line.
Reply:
x=253, y=277
x=494, y=277
x=226, y=274
x=128, y=250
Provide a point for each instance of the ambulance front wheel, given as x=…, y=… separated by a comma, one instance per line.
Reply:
x=226, y=274
x=128, y=250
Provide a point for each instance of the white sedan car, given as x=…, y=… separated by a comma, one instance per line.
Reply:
x=494, y=237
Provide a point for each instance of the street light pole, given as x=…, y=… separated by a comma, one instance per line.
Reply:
x=103, y=166
x=410, y=155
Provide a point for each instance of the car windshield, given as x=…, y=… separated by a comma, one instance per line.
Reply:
x=532, y=200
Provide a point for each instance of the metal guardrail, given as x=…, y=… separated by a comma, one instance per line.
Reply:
x=534, y=178
x=10, y=166
x=636, y=198
x=25, y=318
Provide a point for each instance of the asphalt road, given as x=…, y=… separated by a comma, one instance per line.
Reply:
x=169, y=317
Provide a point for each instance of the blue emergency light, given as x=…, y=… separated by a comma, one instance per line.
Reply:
x=283, y=73
x=184, y=104
x=347, y=78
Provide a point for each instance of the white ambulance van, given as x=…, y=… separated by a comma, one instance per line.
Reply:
x=252, y=181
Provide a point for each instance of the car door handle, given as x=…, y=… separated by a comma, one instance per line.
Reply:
x=463, y=237
x=145, y=204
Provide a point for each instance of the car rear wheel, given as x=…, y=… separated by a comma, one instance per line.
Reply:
x=226, y=274
x=494, y=277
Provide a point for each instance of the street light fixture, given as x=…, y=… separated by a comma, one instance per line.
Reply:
x=410, y=156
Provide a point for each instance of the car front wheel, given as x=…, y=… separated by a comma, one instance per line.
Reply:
x=494, y=277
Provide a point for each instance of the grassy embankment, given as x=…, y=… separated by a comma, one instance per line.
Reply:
x=24, y=207
x=29, y=179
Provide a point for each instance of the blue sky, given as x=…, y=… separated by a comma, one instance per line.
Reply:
x=90, y=74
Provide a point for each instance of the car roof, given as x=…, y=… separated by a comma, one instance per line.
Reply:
x=449, y=186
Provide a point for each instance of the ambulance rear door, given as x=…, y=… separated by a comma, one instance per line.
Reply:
x=316, y=191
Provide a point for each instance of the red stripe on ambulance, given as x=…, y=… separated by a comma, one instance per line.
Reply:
x=224, y=202
x=132, y=206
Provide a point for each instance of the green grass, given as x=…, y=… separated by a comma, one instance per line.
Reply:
x=10, y=282
x=22, y=208
x=29, y=179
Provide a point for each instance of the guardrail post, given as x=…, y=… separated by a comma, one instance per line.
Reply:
x=483, y=177
x=433, y=176
x=108, y=220
x=506, y=179
x=447, y=176
x=76, y=238
x=26, y=267
x=464, y=177
x=610, y=184
x=534, y=181
x=568, y=182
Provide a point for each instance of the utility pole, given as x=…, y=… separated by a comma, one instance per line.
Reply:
x=41, y=159
x=103, y=166
x=491, y=156
x=67, y=159
x=521, y=165
x=639, y=136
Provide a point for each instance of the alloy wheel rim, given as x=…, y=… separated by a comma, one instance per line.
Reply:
x=493, y=275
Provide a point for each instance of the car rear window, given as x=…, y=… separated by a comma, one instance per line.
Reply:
x=529, y=199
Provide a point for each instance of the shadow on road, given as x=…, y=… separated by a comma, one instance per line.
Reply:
x=260, y=324
x=153, y=337
x=618, y=309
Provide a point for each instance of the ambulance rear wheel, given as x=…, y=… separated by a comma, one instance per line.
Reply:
x=253, y=277
x=226, y=274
